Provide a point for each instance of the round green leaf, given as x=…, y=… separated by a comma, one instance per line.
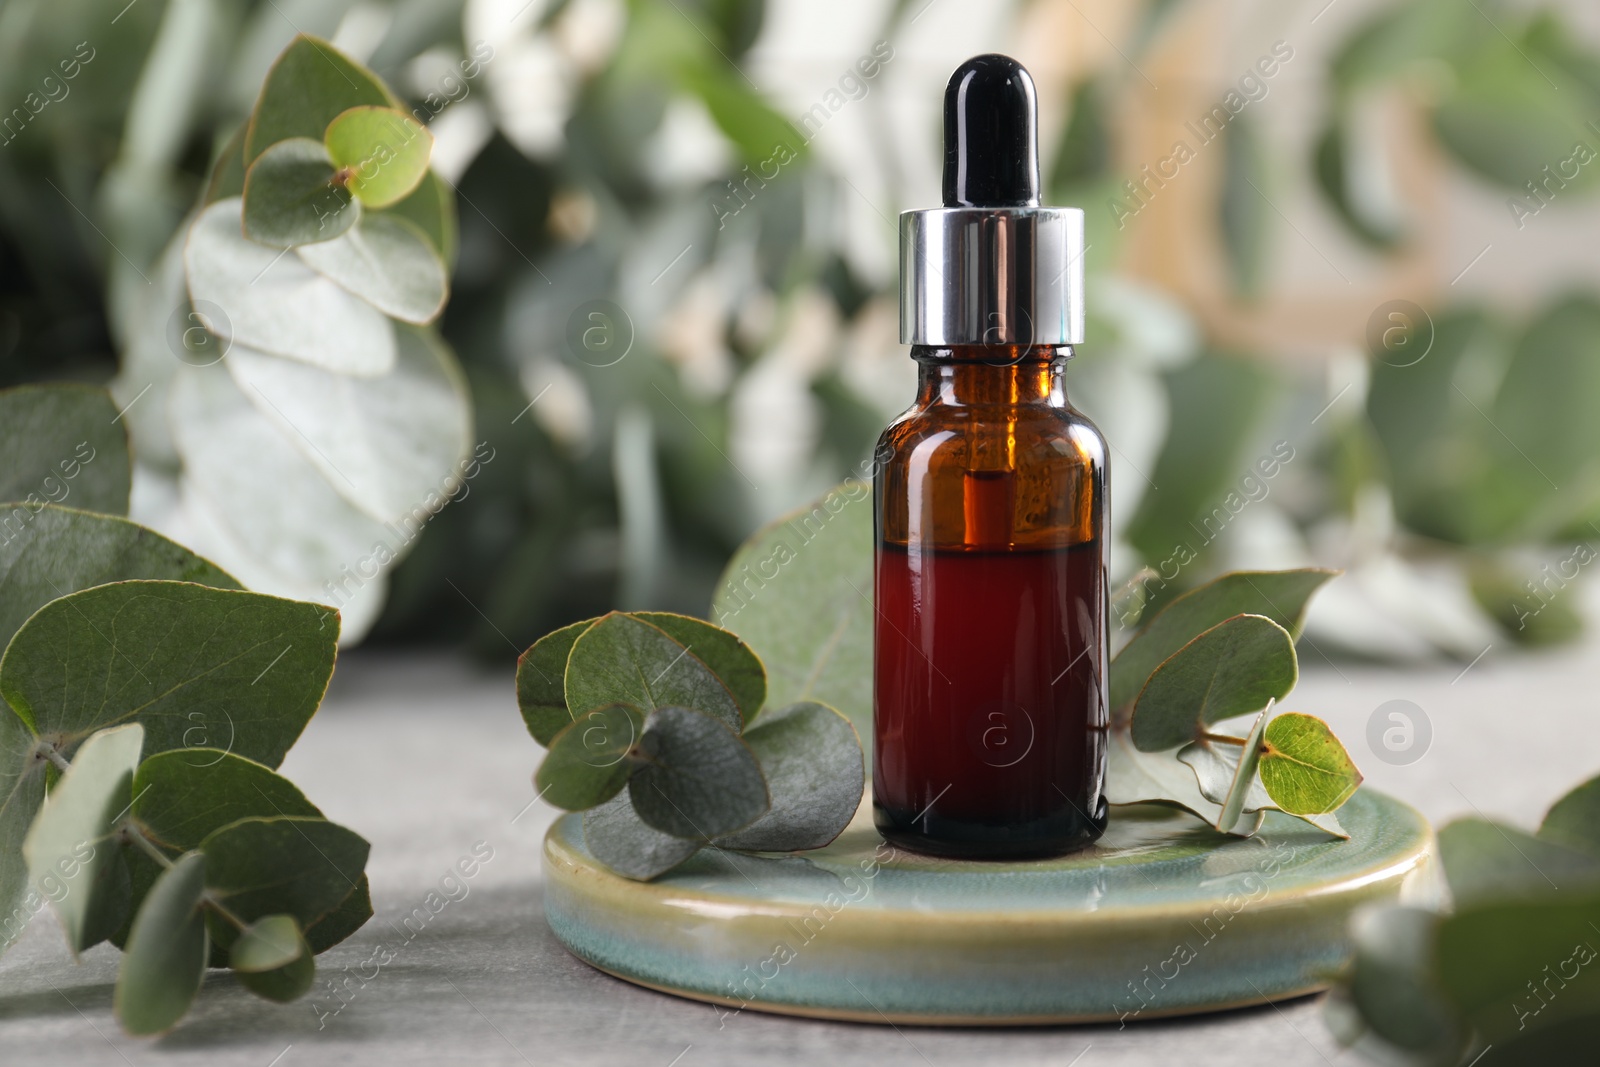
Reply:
x=698, y=779
x=623, y=660
x=1281, y=596
x=1574, y=820
x=381, y=152
x=1305, y=769
x=541, y=682
x=389, y=445
x=186, y=794
x=247, y=294
x=71, y=859
x=62, y=444
x=432, y=208
x=309, y=84
x=62, y=550
x=1486, y=863
x=813, y=766
x=724, y=652
x=589, y=761
x=287, y=865
x=386, y=261
x=1233, y=668
x=351, y=915
x=284, y=984
x=810, y=622
x=618, y=838
x=169, y=655
x=290, y=197
x=166, y=956
x=271, y=942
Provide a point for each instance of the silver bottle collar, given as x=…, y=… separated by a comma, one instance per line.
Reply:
x=991, y=276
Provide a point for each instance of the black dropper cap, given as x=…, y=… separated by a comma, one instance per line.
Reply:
x=991, y=142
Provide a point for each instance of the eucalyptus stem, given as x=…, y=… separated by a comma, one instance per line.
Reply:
x=53, y=754
x=1222, y=739
x=134, y=834
x=222, y=909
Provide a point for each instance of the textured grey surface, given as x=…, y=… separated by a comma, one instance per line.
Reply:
x=426, y=757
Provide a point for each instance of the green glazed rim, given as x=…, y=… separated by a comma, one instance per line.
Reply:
x=1163, y=916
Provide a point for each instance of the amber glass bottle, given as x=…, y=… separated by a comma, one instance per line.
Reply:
x=990, y=638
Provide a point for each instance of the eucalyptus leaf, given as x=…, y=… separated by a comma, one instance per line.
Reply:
x=351, y=915
x=1493, y=961
x=1487, y=863
x=291, y=198
x=22, y=778
x=60, y=442
x=811, y=759
x=432, y=208
x=184, y=795
x=1235, y=667
x=1336, y=168
x=165, y=961
x=1574, y=820
x=72, y=859
x=270, y=942
x=1227, y=774
x=1305, y=769
x=698, y=779
x=618, y=838
x=1134, y=777
x=63, y=550
x=1278, y=595
x=227, y=170
x=799, y=592
x=723, y=651
x=623, y=660
x=590, y=760
x=388, y=262
x=162, y=653
x=290, y=982
x=389, y=445
x=304, y=534
x=309, y=85
x=383, y=150
x=248, y=294
x=1390, y=998
x=293, y=865
x=541, y=682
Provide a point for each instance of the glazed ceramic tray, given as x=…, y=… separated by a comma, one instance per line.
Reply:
x=1162, y=917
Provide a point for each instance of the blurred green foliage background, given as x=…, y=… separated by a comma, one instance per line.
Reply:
x=672, y=335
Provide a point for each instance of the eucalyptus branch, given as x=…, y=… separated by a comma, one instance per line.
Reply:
x=53, y=754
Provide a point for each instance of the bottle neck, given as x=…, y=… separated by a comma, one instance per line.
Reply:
x=1009, y=375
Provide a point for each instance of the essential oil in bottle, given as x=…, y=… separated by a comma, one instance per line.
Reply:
x=990, y=641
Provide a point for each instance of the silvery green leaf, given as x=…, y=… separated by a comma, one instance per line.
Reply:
x=697, y=779
x=259, y=297
x=1281, y=596
x=625, y=660
x=165, y=961
x=618, y=838
x=72, y=860
x=812, y=761
x=810, y=621
x=389, y=445
x=62, y=444
x=291, y=197
x=273, y=503
x=388, y=262
x=1235, y=667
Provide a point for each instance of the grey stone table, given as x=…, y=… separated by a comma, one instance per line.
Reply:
x=427, y=758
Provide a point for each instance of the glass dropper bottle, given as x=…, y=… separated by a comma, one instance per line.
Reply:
x=990, y=642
